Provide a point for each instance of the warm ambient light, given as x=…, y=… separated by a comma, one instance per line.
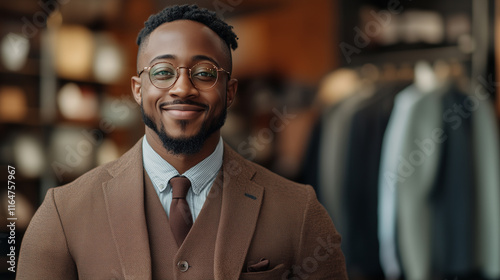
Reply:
x=72, y=151
x=15, y=49
x=108, y=151
x=29, y=156
x=77, y=103
x=120, y=112
x=108, y=60
x=74, y=51
x=13, y=104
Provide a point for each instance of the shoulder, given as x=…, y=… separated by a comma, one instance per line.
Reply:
x=88, y=180
x=93, y=180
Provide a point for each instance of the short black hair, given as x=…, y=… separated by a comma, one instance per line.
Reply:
x=189, y=12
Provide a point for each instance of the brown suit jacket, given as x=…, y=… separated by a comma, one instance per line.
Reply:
x=96, y=228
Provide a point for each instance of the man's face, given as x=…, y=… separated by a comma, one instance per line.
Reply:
x=183, y=116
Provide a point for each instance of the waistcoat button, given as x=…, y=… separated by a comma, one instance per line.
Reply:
x=183, y=266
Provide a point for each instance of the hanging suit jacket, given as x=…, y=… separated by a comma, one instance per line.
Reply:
x=453, y=198
x=486, y=140
x=107, y=224
x=360, y=182
x=417, y=170
x=404, y=185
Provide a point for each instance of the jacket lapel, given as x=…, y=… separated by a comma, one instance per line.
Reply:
x=124, y=197
x=241, y=202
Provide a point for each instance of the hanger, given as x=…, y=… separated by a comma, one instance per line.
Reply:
x=425, y=78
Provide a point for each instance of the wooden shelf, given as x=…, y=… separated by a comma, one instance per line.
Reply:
x=411, y=56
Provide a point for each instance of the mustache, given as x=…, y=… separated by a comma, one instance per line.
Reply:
x=185, y=102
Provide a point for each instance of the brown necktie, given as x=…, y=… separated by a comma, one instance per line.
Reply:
x=180, y=216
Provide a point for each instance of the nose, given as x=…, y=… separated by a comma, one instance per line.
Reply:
x=183, y=88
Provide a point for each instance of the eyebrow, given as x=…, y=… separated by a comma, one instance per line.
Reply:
x=195, y=58
x=160, y=57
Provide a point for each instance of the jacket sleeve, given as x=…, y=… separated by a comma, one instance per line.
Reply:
x=44, y=251
x=320, y=255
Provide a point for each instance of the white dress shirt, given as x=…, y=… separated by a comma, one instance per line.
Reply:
x=202, y=176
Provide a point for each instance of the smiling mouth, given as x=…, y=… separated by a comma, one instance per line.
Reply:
x=183, y=111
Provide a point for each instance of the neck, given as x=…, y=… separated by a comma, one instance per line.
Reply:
x=182, y=162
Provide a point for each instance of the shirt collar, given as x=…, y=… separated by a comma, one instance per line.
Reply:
x=160, y=171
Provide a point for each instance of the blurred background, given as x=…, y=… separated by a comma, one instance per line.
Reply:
x=389, y=108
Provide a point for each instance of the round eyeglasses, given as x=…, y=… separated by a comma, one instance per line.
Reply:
x=203, y=75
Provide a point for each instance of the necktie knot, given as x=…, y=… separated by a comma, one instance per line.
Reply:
x=180, y=187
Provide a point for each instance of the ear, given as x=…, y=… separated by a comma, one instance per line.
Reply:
x=136, y=89
x=232, y=87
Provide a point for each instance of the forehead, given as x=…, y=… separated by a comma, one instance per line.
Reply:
x=183, y=39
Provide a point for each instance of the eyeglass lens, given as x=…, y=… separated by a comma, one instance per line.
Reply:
x=164, y=75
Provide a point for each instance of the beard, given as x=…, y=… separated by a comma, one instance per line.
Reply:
x=185, y=145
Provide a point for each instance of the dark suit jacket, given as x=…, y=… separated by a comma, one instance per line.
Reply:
x=360, y=183
x=96, y=228
x=453, y=197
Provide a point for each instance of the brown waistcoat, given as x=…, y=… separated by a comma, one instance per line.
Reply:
x=165, y=254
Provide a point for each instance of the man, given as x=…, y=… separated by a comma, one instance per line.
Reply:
x=128, y=220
